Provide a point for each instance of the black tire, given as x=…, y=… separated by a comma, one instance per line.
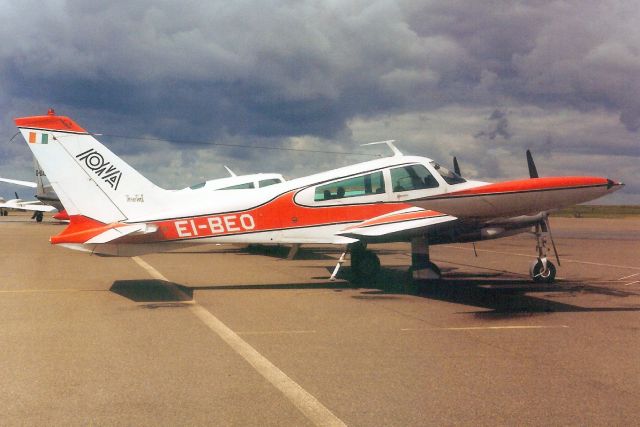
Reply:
x=39, y=217
x=540, y=276
x=365, y=266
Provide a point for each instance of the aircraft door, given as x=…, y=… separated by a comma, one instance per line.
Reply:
x=412, y=181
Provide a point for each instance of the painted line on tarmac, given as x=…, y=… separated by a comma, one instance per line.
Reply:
x=311, y=407
x=533, y=256
x=274, y=332
x=487, y=328
x=632, y=283
x=629, y=276
x=38, y=291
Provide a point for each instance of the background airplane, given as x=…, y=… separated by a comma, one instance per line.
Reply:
x=24, y=205
x=115, y=210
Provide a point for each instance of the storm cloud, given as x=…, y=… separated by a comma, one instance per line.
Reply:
x=559, y=77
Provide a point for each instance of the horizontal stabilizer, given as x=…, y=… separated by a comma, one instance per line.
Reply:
x=117, y=232
x=407, y=222
x=87, y=230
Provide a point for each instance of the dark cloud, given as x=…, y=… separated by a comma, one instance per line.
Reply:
x=498, y=126
x=265, y=72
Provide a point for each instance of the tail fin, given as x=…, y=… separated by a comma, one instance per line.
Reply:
x=89, y=179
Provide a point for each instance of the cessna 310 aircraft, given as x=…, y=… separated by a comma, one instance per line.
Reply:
x=115, y=210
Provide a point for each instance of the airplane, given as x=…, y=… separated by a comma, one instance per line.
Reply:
x=239, y=182
x=115, y=210
x=24, y=205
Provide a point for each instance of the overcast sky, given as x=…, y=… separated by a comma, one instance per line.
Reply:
x=480, y=80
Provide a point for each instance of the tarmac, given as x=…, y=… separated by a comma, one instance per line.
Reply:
x=224, y=335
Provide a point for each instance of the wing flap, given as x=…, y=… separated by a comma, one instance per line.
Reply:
x=406, y=222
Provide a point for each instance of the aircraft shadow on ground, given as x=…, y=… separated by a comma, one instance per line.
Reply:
x=502, y=296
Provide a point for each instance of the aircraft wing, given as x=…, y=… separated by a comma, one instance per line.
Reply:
x=27, y=206
x=18, y=182
x=400, y=224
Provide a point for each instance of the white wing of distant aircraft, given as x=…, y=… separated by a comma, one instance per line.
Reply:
x=18, y=182
x=115, y=210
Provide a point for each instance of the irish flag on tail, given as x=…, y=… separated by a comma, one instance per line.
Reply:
x=38, y=138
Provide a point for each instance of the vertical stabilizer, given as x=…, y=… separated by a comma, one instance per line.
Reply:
x=89, y=179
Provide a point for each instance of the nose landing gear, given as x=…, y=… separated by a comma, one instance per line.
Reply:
x=542, y=270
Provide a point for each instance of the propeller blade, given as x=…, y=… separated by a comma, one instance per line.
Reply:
x=16, y=193
x=533, y=172
x=456, y=166
x=553, y=244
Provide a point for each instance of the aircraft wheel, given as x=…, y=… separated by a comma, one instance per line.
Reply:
x=540, y=275
x=365, y=265
x=39, y=217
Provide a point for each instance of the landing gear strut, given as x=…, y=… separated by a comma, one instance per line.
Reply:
x=542, y=270
x=421, y=266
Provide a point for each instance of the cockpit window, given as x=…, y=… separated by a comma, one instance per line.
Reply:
x=363, y=185
x=450, y=177
x=413, y=177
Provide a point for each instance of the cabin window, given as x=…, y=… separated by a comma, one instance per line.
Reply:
x=196, y=186
x=239, y=186
x=268, y=182
x=363, y=185
x=413, y=177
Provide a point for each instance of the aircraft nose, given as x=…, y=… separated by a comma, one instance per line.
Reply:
x=616, y=185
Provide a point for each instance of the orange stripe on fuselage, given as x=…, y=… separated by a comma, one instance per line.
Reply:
x=532, y=184
x=279, y=214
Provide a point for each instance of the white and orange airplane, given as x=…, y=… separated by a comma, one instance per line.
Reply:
x=115, y=210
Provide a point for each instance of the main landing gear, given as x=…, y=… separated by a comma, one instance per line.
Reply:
x=365, y=265
x=542, y=270
x=421, y=266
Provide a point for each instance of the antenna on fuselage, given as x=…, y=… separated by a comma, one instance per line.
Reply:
x=389, y=143
x=229, y=170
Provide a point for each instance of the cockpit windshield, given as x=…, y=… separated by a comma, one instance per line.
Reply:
x=450, y=177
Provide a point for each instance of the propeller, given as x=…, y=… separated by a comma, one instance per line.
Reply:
x=16, y=193
x=533, y=172
x=456, y=166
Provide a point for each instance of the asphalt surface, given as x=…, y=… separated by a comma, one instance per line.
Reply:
x=222, y=335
